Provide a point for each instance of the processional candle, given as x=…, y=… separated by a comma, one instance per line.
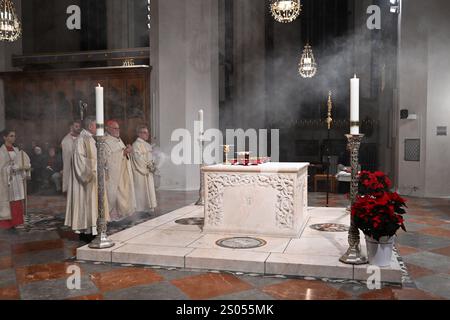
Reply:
x=200, y=119
x=354, y=106
x=99, y=106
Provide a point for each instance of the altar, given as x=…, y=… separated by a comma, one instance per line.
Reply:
x=269, y=199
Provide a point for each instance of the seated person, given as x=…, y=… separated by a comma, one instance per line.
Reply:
x=38, y=165
x=53, y=169
x=344, y=173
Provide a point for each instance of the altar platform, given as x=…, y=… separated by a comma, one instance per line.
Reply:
x=176, y=240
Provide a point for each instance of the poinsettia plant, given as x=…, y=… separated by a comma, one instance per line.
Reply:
x=373, y=182
x=377, y=211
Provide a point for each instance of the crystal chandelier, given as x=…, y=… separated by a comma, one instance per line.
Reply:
x=285, y=10
x=10, y=28
x=307, y=67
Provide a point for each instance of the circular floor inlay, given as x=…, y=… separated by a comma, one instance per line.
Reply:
x=241, y=243
x=330, y=227
x=191, y=221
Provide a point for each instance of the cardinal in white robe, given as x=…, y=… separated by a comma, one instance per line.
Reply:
x=14, y=170
x=82, y=193
x=119, y=177
x=68, y=145
x=143, y=172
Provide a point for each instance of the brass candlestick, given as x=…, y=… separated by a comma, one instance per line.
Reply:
x=101, y=241
x=353, y=254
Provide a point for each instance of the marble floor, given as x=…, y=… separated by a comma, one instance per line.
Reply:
x=168, y=241
x=33, y=263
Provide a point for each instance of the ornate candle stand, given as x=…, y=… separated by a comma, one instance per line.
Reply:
x=201, y=199
x=353, y=254
x=101, y=241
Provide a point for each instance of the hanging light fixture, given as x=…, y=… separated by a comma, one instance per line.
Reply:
x=10, y=28
x=285, y=11
x=307, y=66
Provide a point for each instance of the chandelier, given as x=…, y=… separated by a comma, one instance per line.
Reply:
x=307, y=66
x=285, y=11
x=10, y=28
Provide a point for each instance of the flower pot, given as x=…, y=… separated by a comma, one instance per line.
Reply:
x=380, y=252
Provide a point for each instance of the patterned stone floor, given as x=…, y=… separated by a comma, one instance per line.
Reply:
x=34, y=261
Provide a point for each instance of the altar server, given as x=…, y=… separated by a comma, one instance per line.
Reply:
x=14, y=170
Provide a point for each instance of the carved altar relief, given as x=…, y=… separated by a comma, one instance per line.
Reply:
x=255, y=202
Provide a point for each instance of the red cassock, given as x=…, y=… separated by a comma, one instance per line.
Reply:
x=16, y=213
x=16, y=216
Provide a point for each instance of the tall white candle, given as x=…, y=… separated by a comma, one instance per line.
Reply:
x=99, y=111
x=354, y=105
x=200, y=119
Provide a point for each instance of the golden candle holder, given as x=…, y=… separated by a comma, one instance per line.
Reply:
x=226, y=151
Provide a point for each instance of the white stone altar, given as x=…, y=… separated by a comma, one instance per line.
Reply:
x=270, y=199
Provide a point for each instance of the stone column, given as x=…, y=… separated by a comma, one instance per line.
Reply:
x=186, y=71
x=7, y=50
x=2, y=105
x=249, y=63
x=117, y=23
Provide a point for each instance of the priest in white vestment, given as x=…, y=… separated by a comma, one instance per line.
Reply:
x=68, y=145
x=143, y=172
x=82, y=194
x=119, y=177
x=14, y=170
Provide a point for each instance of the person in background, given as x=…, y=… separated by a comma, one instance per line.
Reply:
x=67, y=146
x=82, y=199
x=119, y=176
x=53, y=170
x=144, y=168
x=14, y=170
x=38, y=164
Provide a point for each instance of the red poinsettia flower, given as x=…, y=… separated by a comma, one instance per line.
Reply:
x=376, y=211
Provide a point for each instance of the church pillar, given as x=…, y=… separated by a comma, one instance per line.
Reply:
x=249, y=64
x=7, y=50
x=2, y=105
x=117, y=23
x=187, y=76
x=424, y=70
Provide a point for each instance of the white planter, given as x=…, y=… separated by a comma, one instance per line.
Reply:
x=380, y=252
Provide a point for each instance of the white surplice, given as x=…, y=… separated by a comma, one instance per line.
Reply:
x=14, y=169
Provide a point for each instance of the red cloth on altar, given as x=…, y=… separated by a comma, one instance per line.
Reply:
x=16, y=216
